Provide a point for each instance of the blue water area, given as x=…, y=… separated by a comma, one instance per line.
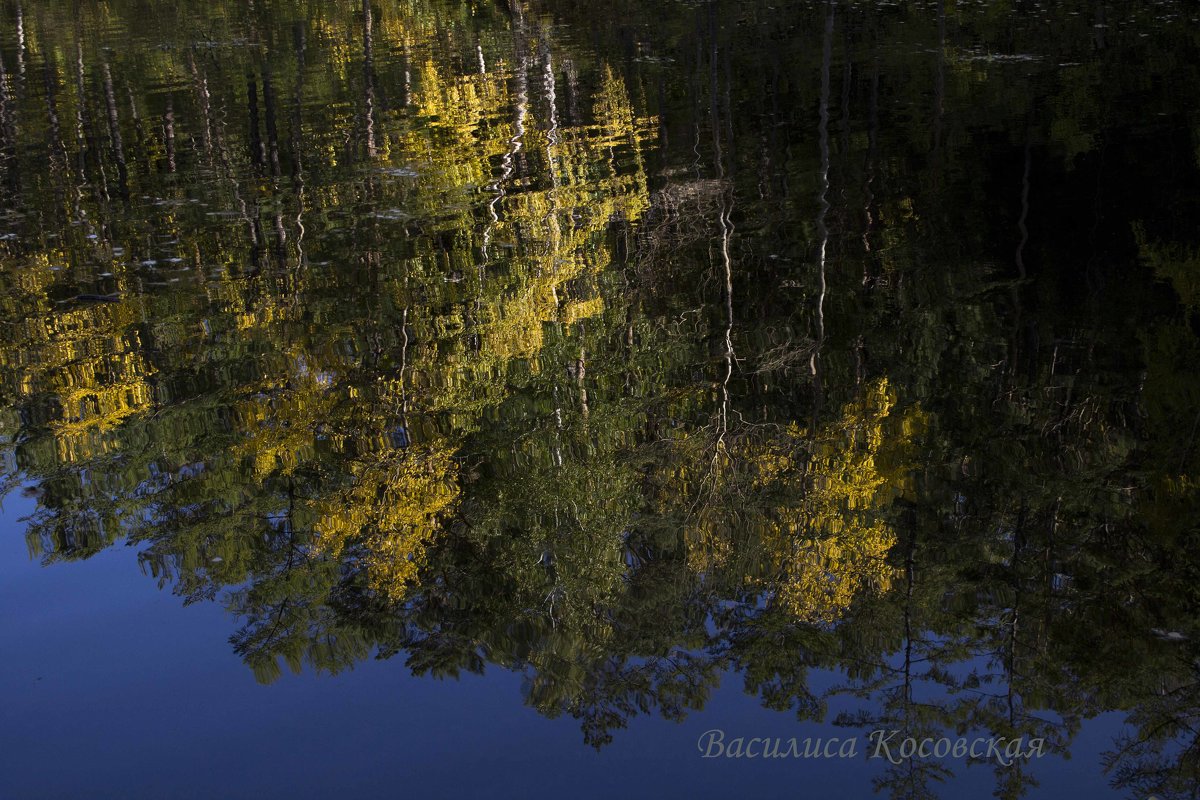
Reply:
x=113, y=689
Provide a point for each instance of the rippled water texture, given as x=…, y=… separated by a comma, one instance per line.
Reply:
x=451, y=398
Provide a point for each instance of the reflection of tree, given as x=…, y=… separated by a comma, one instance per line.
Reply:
x=1160, y=755
x=179, y=393
x=410, y=329
x=840, y=540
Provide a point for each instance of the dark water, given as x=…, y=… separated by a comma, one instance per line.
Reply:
x=452, y=399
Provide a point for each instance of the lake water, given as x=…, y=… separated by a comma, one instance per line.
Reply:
x=542, y=399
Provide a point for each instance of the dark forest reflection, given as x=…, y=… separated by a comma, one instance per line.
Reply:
x=722, y=338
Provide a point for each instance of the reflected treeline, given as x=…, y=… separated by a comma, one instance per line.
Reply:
x=853, y=337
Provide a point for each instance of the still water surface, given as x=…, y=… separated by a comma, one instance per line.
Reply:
x=461, y=398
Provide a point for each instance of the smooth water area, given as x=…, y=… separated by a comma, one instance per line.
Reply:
x=538, y=399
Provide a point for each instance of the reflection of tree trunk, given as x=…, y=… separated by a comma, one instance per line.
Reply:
x=407, y=76
x=572, y=83
x=723, y=219
x=273, y=131
x=300, y=43
x=580, y=373
x=906, y=723
x=114, y=133
x=404, y=368
x=872, y=155
x=1019, y=258
x=269, y=116
x=723, y=213
x=280, y=239
x=910, y=571
x=5, y=100
x=57, y=149
x=1010, y=656
x=82, y=124
x=139, y=131
x=257, y=152
x=516, y=155
x=8, y=133
x=508, y=160
x=551, y=112
x=910, y=583
x=20, y=43
x=256, y=237
x=551, y=219
x=90, y=157
x=369, y=78
x=200, y=84
x=629, y=342
x=218, y=154
x=169, y=133
x=823, y=207
x=868, y=193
